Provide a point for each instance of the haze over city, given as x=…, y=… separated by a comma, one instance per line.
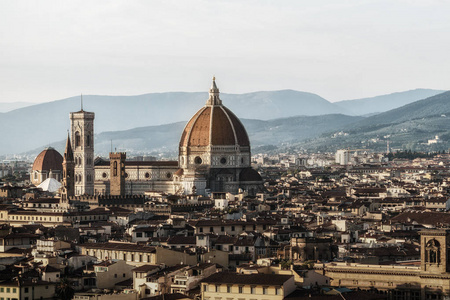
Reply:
x=51, y=50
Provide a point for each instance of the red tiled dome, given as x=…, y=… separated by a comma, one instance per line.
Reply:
x=49, y=159
x=216, y=126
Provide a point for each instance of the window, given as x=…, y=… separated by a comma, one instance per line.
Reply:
x=8, y=290
x=232, y=228
x=241, y=289
x=123, y=275
x=201, y=229
x=277, y=291
x=217, y=288
x=139, y=234
x=205, y=288
x=26, y=290
x=115, y=275
x=77, y=139
x=222, y=228
x=14, y=290
x=228, y=288
x=252, y=289
x=211, y=229
x=433, y=252
x=115, y=168
x=265, y=290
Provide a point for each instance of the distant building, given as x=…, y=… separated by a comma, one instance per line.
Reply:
x=214, y=155
x=242, y=286
x=48, y=164
x=429, y=280
x=343, y=157
x=436, y=140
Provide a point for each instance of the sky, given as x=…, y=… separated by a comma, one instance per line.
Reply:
x=339, y=50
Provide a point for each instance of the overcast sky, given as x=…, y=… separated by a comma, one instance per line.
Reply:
x=339, y=50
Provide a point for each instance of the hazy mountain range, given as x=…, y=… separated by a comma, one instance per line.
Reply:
x=406, y=127
x=132, y=122
x=384, y=103
x=9, y=106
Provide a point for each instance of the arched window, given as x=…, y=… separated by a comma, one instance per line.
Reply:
x=77, y=139
x=88, y=140
x=115, y=169
x=433, y=252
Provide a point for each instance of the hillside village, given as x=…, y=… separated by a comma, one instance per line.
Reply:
x=288, y=241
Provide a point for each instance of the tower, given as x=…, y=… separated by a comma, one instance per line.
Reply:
x=68, y=178
x=435, y=250
x=117, y=173
x=82, y=128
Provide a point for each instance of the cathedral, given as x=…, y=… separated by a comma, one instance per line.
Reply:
x=214, y=156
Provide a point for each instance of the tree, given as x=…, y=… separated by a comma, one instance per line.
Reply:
x=64, y=289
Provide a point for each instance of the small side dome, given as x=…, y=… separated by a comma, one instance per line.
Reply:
x=249, y=174
x=48, y=159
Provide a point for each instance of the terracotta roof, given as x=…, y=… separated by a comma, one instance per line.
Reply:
x=145, y=268
x=175, y=296
x=179, y=239
x=49, y=159
x=423, y=217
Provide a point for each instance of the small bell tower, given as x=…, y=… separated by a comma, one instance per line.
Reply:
x=68, y=178
x=117, y=173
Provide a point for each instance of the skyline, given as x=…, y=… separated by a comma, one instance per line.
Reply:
x=340, y=51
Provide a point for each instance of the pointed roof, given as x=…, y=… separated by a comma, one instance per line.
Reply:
x=50, y=185
x=68, y=153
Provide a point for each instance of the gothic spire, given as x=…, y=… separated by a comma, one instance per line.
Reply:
x=68, y=153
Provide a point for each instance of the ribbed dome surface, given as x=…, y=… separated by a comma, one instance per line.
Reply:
x=216, y=126
x=47, y=160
